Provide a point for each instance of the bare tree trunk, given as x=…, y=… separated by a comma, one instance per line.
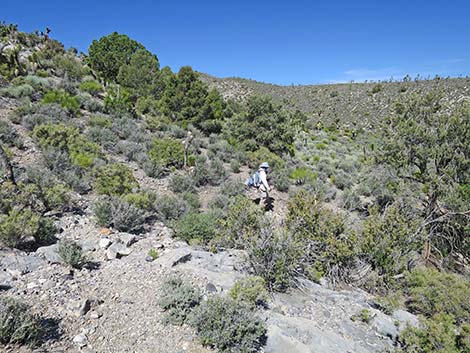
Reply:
x=9, y=175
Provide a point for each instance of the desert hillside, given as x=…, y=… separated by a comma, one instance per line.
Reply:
x=352, y=104
x=126, y=224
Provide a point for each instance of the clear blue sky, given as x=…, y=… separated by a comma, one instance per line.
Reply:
x=280, y=42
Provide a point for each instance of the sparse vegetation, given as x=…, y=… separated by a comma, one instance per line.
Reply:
x=71, y=253
x=17, y=324
x=371, y=184
x=178, y=299
x=228, y=325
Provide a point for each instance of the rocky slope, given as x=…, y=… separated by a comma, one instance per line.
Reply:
x=111, y=306
x=351, y=104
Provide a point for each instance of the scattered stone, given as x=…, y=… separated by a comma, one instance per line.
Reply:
x=127, y=239
x=149, y=258
x=32, y=285
x=88, y=245
x=94, y=315
x=117, y=250
x=5, y=279
x=50, y=253
x=210, y=288
x=85, y=307
x=104, y=243
x=80, y=340
x=175, y=257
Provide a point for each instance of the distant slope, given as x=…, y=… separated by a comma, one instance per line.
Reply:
x=361, y=104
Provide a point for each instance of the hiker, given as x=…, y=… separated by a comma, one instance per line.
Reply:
x=259, y=180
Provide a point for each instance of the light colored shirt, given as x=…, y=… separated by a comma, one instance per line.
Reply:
x=264, y=186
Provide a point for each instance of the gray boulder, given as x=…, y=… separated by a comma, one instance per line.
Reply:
x=50, y=253
x=384, y=325
x=174, y=257
x=20, y=263
x=117, y=250
x=104, y=243
x=127, y=239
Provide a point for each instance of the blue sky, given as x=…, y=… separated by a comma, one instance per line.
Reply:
x=283, y=42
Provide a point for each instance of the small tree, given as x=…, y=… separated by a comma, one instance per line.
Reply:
x=427, y=144
x=140, y=74
x=265, y=123
x=109, y=53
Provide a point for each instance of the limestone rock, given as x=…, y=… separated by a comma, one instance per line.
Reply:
x=117, y=250
x=127, y=239
x=384, y=325
x=104, y=243
x=174, y=257
x=50, y=253
x=20, y=263
x=405, y=318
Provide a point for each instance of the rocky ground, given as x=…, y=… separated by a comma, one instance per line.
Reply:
x=111, y=305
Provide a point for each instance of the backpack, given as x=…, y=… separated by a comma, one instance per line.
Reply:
x=254, y=180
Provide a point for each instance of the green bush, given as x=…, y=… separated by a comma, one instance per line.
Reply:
x=81, y=151
x=242, y=224
x=20, y=91
x=93, y=87
x=281, y=180
x=431, y=292
x=8, y=135
x=196, y=226
x=212, y=174
x=264, y=155
x=323, y=234
x=387, y=240
x=228, y=325
x=117, y=100
x=169, y=208
x=120, y=214
x=303, y=175
x=167, y=152
x=178, y=299
x=275, y=257
x=201, y=173
x=17, y=324
x=109, y=53
x=235, y=165
x=115, y=179
x=145, y=200
x=57, y=197
x=55, y=135
x=436, y=334
x=71, y=253
x=20, y=226
x=192, y=200
x=181, y=183
x=102, y=121
x=68, y=66
x=153, y=253
x=265, y=123
x=65, y=100
x=250, y=290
